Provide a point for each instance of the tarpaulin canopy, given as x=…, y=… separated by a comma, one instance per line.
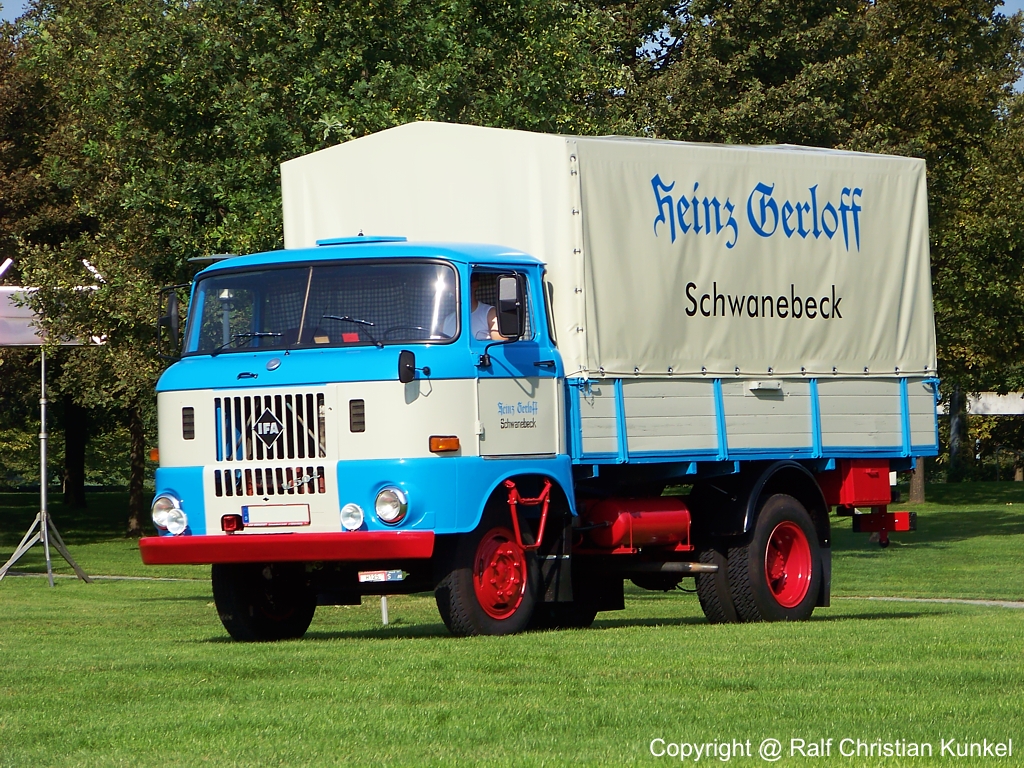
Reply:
x=665, y=258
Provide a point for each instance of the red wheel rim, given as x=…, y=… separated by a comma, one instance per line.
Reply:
x=499, y=573
x=787, y=564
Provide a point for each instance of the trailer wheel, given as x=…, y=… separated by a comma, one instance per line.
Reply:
x=713, y=588
x=260, y=602
x=488, y=589
x=776, y=576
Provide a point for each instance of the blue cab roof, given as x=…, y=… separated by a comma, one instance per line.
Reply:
x=377, y=248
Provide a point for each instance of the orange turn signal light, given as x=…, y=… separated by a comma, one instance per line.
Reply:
x=154, y=454
x=444, y=443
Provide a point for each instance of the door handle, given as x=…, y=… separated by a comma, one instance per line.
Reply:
x=545, y=364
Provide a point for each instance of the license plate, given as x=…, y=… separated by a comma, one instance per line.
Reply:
x=265, y=515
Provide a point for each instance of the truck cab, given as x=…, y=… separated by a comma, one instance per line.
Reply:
x=350, y=404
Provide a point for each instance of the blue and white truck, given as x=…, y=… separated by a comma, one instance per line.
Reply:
x=483, y=355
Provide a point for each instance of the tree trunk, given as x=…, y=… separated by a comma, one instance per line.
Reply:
x=1018, y=473
x=75, y=437
x=917, y=482
x=957, y=429
x=136, y=478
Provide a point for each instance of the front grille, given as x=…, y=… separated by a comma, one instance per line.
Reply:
x=269, y=481
x=294, y=429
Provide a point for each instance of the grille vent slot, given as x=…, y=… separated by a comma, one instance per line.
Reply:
x=188, y=423
x=269, y=481
x=356, y=416
x=302, y=420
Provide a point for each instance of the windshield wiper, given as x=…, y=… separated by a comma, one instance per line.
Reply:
x=357, y=321
x=250, y=335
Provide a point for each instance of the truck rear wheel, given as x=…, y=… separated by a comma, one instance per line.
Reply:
x=260, y=602
x=776, y=576
x=713, y=588
x=488, y=589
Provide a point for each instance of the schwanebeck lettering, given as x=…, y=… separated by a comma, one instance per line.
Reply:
x=518, y=423
x=810, y=215
x=791, y=306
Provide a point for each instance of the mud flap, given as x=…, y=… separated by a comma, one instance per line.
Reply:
x=825, y=593
x=553, y=564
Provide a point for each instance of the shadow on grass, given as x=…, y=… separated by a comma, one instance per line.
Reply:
x=392, y=632
x=434, y=631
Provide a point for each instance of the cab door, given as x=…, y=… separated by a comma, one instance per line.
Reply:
x=518, y=393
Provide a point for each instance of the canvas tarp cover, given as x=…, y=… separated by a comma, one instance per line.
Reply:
x=666, y=258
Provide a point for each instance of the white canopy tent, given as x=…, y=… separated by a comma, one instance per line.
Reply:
x=19, y=328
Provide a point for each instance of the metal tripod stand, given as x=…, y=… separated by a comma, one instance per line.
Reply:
x=42, y=528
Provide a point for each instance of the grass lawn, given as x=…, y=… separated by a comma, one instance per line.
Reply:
x=142, y=673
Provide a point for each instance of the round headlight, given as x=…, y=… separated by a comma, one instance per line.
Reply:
x=168, y=515
x=391, y=506
x=351, y=517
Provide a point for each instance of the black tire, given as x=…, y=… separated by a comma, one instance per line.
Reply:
x=785, y=542
x=713, y=588
x=574, y=615
x=468, y=576
x=260, y=602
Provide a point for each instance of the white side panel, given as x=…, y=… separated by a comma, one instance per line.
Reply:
x=861, y=413
x=597, y=418
x=664, y=415
x=923, y=416
x=519, y=416
x=175, y=451
x=767, y=418
x=400, y=418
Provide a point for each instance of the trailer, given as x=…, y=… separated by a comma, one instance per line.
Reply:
x=484, y=355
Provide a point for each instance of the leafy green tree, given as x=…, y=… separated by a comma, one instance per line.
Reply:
x=754, y=71
x=170, y=120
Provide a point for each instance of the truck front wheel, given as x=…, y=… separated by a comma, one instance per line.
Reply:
x=776, y=576
x=263, y=601
x=487, y=589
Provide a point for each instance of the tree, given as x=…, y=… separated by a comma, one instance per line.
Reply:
x=170, y=120
x=753, y=71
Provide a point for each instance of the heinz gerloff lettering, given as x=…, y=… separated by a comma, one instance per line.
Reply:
x=693, y=213
x=518, y=415
x=806, y=216
x=768, y=214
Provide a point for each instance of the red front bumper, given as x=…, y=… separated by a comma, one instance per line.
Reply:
x=287, y=547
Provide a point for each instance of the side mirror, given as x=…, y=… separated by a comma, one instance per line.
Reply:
x=510, y=306
x=406, y=366
x=169, y=343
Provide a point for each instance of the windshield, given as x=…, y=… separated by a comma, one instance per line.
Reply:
x=330, y=305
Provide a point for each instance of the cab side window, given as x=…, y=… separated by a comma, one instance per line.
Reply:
x=483, y=309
